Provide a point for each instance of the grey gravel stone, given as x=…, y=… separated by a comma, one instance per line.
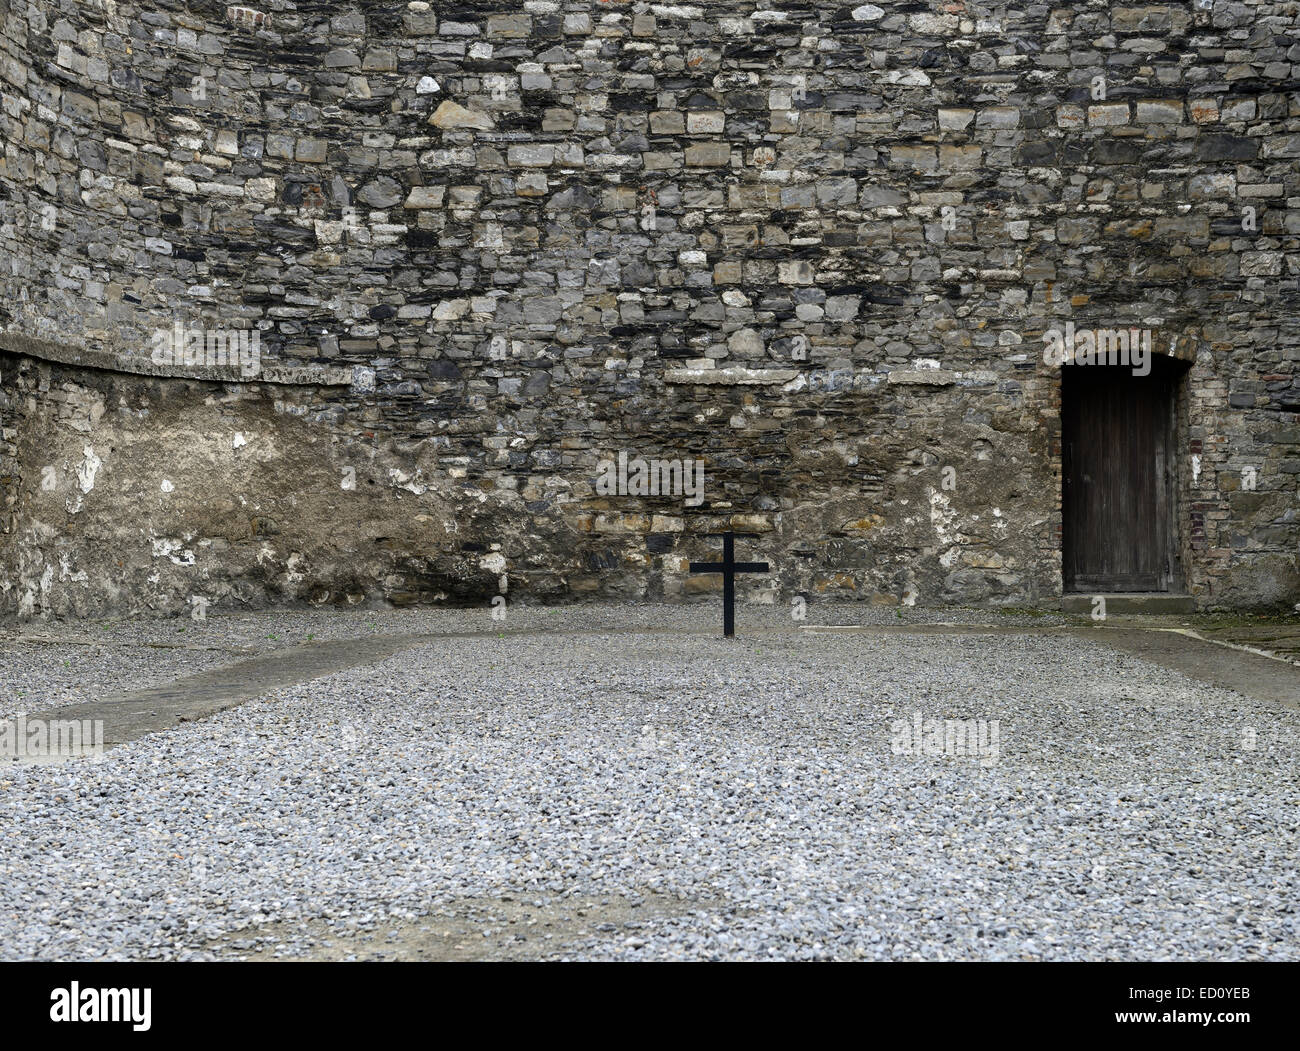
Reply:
x=629, y=751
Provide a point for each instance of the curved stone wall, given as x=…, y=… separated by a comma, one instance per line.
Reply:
x=468, y=252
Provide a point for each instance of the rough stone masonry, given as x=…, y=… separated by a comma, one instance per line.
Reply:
x=485, y=247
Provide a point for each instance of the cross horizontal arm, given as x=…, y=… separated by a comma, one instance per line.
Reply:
x=708, y=567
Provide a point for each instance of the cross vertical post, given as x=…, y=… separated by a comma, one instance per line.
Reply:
x=728, y=585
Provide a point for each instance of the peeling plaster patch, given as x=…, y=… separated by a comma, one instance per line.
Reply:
x=943, y=517
x=49, y=479
x=66, y=573
x=493, y=563
x=167, y=486
x=87, y=469
x=238, y=440
x=164, y=548
x=403, y=481
x=1196, y=469
x=950, y=557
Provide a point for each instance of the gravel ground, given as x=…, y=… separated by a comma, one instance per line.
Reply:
x=46, y=663
x=753, y=782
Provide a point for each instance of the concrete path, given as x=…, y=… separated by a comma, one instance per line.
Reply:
x=134, y=713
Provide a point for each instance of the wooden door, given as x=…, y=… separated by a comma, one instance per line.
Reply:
x=1118, y=470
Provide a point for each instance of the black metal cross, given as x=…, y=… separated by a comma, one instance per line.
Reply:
x=729, y=567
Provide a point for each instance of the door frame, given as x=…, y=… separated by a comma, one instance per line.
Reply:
x=1169, y=468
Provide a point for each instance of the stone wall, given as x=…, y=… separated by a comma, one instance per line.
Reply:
x=483, y=247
